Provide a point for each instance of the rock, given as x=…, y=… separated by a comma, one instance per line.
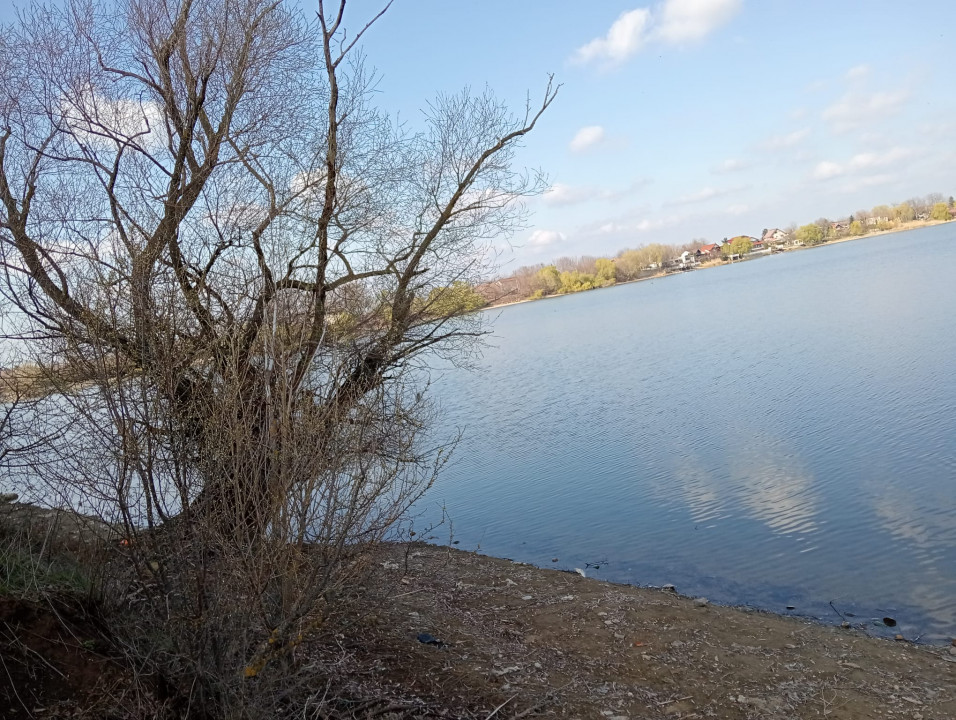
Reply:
x=509, y=582
x=527, y=597
x=701, y=602
x=899, y=638
x=669, y=588
x=567, y=597
x=845, y=625
x=580, y=572
x=952, y=650
x=8, y=498
x=554, y=559
x=889, y=622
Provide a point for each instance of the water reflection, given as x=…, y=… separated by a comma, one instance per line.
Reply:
x=804, y=451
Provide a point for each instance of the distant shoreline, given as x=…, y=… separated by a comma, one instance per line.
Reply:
x=905, y=227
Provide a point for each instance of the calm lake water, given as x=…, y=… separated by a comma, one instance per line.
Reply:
x=771, y=433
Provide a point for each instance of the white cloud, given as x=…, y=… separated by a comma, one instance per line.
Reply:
x=560, y=194
x=625, y=37
x=738, y=209
x=101, y=120
x=672, y=21
x=856, y=109
x=586, y=138
x=782, y=142
x=563, y=195
x=857, y=72
x=687, y=20
x=863, y=163
x=826, y=170
x=611, y=228
x=646, y=225
x=543, y=238
x=867, y=182
x=866, y=161
x=708, y=193
x=731, y=165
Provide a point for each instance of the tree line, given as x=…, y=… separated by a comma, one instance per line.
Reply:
x=576, y=274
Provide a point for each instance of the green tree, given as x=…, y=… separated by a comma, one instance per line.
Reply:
x=606, y=271
x=856, y=228
x=657, y=254
x=547, y=280
x=741, y=245
x=456, y=299
x=811, y=234
x=904, y=212
x=940, y=211
x=883, y=215
x=573, y=281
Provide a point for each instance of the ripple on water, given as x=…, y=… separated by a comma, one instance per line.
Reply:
x=804, y=447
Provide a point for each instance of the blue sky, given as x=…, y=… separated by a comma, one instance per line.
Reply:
x=696, y=118
x=683, y=119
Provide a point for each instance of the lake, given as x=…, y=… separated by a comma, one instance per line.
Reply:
x=772, y=433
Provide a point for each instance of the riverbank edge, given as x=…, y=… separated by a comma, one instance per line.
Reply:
x=915, y=225
x=517, y=633
x=549, y=642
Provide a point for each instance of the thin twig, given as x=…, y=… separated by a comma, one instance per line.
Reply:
x=495, y=711
x=13, y=686
x=547, y=698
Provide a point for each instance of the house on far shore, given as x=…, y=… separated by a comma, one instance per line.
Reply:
x=687, y=258
x=775, y=236
x=708, y=250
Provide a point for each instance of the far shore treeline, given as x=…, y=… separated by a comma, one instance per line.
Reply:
x=575, y=274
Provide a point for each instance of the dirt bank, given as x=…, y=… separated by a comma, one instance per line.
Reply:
x=508, y=640
x=555, y=644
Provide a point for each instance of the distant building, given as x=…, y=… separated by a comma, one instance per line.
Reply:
x=687, y=258
x=775, y=235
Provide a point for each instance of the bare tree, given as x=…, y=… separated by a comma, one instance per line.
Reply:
x=204, y=219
